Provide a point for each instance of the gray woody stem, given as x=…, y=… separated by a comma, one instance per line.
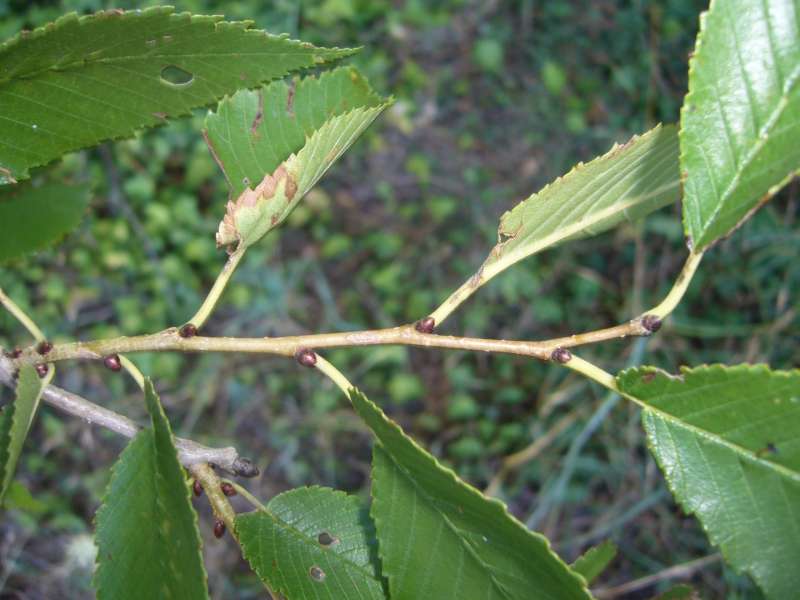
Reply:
x=189, y=452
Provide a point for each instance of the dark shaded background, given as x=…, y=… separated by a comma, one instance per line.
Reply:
x=494, y=99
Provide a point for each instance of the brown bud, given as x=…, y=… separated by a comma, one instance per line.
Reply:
x=197, y=488
x=306, y=357
x=651, y=323
x=561, y=355
x=112, y=362
x=188, y=330
x=13, y=354
x=41, y=370
x=227, y=489
x=425, y=325
x=219, y=528
x=44, y=347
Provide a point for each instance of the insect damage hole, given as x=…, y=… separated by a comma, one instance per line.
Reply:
x=176, y=77
x=326, y=539
x=317, y=574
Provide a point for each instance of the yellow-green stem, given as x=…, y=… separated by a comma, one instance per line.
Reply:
x=210, y=302
x=679, y=288
x=335, y=375
x=245, y=493
x=592, y=371
x=20, y=316
x=132, y=370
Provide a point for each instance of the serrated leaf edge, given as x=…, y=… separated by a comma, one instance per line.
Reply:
x=290, y=173
x=113, y=473
x=755, y=460
x=47, y=244
x=746, y=454
x=578, y=564
x=694, y=63
x=246, y=26
x=24, y=173
x=495, y=504
x=6, y=478
x=493, y=265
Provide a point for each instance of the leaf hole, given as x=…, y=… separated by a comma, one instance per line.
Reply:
x=326, y=539
x=176, y=77
x=316, y=574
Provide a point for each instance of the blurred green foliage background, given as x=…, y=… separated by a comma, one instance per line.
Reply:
x=493, y=100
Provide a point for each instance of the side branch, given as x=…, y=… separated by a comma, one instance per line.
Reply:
x=171, y=340
x=189, y=452
x=405, y=335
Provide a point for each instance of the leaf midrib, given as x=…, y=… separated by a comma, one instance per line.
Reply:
x=453, y=529
x=83, y=64
x=754, y=150
x=565, y=232
x=745, y=453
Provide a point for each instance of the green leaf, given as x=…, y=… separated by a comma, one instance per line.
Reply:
x=595, y=560
x=33, y=217
x=15, y=422
x=438, y=537
x=741, y=118
x=728, y=441
x=628, y=182
x=274, y=144
x=313, y=543
x=81, y=80
x=147, y=538
x=254, y=131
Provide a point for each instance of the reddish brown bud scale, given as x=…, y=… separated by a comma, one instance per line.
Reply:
x=306, y=357
x=41, y=370
x=425, y=325
x=197, y=489
x=44, y=347
x=228, y=489
x=13, y=354
x=219, y=528
x=561, y=355
x=651, y=323
x=188, y=330
x=112, y=362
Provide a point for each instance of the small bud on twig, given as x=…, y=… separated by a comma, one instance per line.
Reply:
x=44, y=347
x=306, y=357
x=227, y=489
x=561, y=355
x=188, y=330
x=244, y=467
x=13, y=354
x=41, y=370
x=197, y=489
x=425, y=325
x=219, y=528
x=112, y=362
x=651, y=323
